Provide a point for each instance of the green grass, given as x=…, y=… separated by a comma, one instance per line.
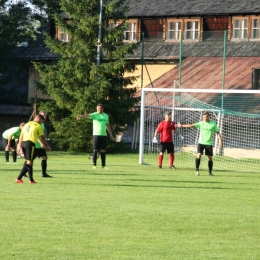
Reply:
x=129, y=211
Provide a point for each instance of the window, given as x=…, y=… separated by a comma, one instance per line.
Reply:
x=188, y=29
x=63, y=36
x=174, y=30
x=130, y=32
x=191, y=30
x=255, y=28
x=240, y=28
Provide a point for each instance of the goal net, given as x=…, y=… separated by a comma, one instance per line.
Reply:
x=236, y=113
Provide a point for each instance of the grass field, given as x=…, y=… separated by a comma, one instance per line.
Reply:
x=129, y=211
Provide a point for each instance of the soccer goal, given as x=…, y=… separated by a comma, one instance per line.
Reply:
x=236, y=113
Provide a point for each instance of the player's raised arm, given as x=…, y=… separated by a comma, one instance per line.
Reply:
x=83, y=116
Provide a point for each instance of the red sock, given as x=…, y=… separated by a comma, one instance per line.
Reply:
x=160, y=159
x=171, y=159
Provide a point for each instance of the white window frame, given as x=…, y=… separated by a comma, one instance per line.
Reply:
x=240, y=28
x=63, y=36
x=175, y=31
x=193, y=32
x=130, y=33
x=255, y=29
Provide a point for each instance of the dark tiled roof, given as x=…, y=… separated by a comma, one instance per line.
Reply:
x=37, y=50
x=6, y=109
x=162, y=8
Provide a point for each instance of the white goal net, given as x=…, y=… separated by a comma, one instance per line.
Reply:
x=236, y=113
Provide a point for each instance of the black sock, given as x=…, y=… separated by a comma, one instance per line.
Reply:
x=14, y=155
x=23, y=171
x=30, y=172
x=7, y=156
x=197, y=164
x=103, y=159
x=94, y=157
x=44, y=166
x=210, y=165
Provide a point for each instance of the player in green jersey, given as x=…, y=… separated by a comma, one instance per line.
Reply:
x=100, y=127
x=9, y=137
x=207, y=129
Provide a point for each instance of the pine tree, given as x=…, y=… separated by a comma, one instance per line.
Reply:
x=77, y=83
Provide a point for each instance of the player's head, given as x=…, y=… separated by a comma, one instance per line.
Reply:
x=100, y=108
x=44, y=114
x=21, y=125
x=39, y=118
x=167, y=116
x=206, y=116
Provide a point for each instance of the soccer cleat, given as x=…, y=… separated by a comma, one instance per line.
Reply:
x=172, y=167
x=160, y=167
x=197, y=173
x=104, y=167
x=15, y=162
x=94, y=167
x=7, y=163
x=211, y=174
x=45, y=175
x=18, y=181
x=32, y=182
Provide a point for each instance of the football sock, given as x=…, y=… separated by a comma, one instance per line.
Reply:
x=197, y=163
x=171, y=159
x=23, y=171
x=44, y=166
x=160, y=159
x=103, y=158
x=14, y=155
x=7, y=156
x=210, y=165
x=94, y=157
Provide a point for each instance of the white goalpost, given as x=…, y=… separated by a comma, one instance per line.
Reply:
x=236, y=113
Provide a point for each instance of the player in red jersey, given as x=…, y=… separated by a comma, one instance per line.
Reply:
x=165, y=129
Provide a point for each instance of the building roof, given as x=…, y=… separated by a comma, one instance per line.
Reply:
x=164, y=8
x=23, y=110
x=206, y=73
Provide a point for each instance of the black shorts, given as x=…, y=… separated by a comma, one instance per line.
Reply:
x=208, y=149
x=39, y=152
x=12, y=144
x=28, y=148
x=99, y=142
x=167, y=146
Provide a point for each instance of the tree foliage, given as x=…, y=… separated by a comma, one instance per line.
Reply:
x=16, y=27
x=76, y=82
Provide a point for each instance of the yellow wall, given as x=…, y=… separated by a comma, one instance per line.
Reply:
x=154, y=70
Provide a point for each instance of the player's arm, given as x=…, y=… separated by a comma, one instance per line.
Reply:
x=177, y=133
x=20, y=143
x=9, y=141
x=110, y=131
x=186, y=125
x=220, y=139
x=83, y=116
x=44, y=143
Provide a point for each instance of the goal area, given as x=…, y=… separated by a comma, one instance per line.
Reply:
x=236, y=113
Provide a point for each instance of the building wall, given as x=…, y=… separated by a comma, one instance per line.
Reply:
x=153, y=72
x=34, y=77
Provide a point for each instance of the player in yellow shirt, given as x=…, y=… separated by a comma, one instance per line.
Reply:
x=29, y=136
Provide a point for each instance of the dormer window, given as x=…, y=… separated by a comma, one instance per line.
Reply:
x=191, y=30
x=240, y=28
x=63, y=36
x=188, y=28
x=255, y=28
x=174, y=30
x=130, y=32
